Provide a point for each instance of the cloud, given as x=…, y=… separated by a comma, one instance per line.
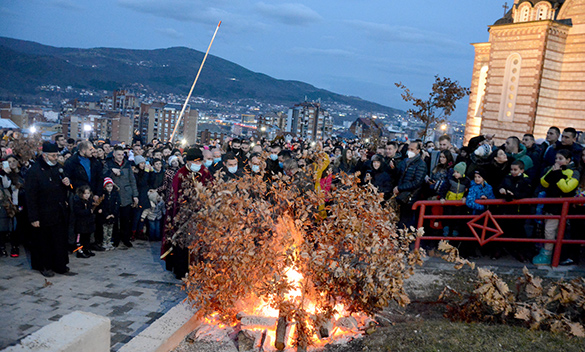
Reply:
x=289, y=13
x=170, y=32
x=403, y=34
x=66, y=4
x=319, y=51
x=185, y=11
x=196, y=11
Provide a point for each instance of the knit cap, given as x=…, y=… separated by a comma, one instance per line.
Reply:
x=108, y=180
x=460, y=168
x=139, y=159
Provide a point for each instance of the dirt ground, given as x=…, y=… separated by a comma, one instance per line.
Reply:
x=420, y=326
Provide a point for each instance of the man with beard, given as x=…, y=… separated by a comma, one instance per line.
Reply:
x=83, y=169
x=119, y=170
x=193, y=171
x=46, y=200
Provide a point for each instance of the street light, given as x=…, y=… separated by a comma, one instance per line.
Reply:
x=33, y=129
x=443, y=127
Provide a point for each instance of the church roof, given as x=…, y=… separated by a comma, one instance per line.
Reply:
x=556, y=4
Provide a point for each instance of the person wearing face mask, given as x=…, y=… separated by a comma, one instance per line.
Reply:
x=207, y=159
x=216, y=164
x=188, y=176
x=46, y=200
x=272, y=163
x=230, y=170
x=412, y=173
x=256, y=165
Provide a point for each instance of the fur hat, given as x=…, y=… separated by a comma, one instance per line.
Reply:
x=49, y=147
x=460, y=168
x=194, y=154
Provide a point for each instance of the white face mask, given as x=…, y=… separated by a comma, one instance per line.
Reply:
x=208, y=163
x=195, y=167
x=233, y=169
x=410, y=154
x=50, y=163
x=255, y=168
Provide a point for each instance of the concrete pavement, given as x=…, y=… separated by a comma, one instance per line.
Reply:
x=131, y=287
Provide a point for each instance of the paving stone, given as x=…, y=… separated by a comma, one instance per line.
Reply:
x=105, y=284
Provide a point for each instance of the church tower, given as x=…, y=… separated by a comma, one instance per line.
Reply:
x=531, y=73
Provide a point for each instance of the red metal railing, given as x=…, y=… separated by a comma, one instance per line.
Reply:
x=563, y=217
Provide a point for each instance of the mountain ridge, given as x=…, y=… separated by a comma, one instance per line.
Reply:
x=26, y=65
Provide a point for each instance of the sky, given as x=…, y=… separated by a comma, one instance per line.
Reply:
x=351, y=47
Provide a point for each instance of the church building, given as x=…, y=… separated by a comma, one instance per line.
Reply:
x=530, y=75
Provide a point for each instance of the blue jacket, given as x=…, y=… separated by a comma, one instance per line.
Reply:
x=476, y=192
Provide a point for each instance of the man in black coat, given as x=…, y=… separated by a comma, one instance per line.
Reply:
x=46, y=201
x=412, y=173
x=83, y=169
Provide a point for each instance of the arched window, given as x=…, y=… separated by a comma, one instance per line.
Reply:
x=480, y=91
x=542, y=11
x=525, y=10
x=510, y=87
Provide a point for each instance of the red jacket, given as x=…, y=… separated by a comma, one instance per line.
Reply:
x=182, y=176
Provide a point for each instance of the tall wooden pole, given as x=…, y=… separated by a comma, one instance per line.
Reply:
x=193, y=86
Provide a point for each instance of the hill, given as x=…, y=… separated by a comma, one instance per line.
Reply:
x=26, y=65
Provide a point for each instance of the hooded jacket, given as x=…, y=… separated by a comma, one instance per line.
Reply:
x=522, y=156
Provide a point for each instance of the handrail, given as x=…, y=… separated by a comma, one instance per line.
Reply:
x=562, y=217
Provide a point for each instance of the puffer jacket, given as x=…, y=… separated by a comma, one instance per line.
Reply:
x=559, y=183
x=476, y=192
x=412, y=175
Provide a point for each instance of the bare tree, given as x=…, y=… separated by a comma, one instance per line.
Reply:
x=439, y=105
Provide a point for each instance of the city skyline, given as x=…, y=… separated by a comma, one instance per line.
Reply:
x=358, y=49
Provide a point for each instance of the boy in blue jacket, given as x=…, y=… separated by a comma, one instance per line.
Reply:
x=479, y=190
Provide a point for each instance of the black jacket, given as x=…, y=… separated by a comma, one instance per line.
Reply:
x=142, y=185
x=84, y=217
x=156, y=179
x=110, y=205
x=46, y=196
x=76, y=173
x=412, y=174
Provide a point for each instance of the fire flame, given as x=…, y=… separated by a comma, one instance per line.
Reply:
x=262, y=319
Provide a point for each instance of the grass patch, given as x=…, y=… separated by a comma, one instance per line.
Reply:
x=443, y=335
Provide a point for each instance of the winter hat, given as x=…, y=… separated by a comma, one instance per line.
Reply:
x=172, y=158
x=139, y=159
x=460, y=168
x=378, y=157
x=483, y=151
x=49, y=147
x=108, y=180
x=194, y=154
x=481, y=172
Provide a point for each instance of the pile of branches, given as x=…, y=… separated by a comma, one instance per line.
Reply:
x=558, y=306
x=245, y=235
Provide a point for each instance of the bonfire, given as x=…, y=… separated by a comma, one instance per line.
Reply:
x=283, y=268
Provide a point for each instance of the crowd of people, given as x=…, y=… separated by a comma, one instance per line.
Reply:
x=77, y=197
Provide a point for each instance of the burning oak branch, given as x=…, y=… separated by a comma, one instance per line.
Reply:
x=271, y=257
